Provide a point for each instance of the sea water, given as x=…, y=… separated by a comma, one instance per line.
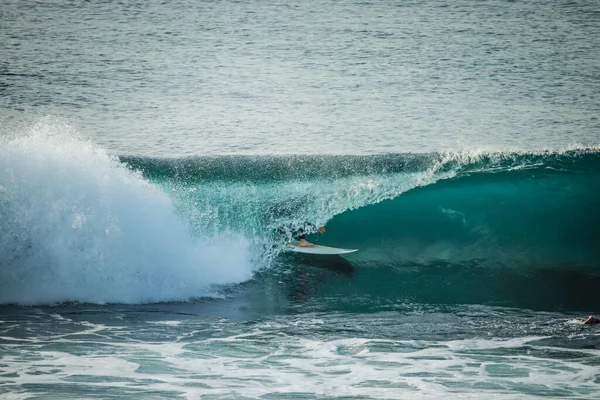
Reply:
x=155, y=158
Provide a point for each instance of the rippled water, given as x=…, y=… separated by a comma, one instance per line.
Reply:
x=270, y=77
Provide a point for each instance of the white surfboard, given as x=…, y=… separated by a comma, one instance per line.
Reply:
x=316, y=249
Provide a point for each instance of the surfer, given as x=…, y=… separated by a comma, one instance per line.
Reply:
x=591, y=320
x=300, y=234
x=291, y=209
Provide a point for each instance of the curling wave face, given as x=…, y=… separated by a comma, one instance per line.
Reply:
x=503, y=209
x=504, y=228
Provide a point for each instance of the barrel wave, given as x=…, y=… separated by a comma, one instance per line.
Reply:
x=518, y=210
x=510, y=228
x=506, y=228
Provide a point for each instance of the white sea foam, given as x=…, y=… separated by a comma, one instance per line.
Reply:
x=77, y=225
x=249, y=365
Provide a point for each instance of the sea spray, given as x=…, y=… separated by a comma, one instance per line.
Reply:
x=79, y=226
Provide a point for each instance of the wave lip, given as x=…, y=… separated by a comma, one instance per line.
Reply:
x=309, y=167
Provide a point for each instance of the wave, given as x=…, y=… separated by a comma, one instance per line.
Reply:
x=80, y=225
x=514, y=209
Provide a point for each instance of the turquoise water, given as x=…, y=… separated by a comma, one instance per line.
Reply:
x=155, y=158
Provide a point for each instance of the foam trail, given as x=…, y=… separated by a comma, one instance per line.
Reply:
x=78, y=226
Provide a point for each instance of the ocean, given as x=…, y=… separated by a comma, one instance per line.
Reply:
x=157, y=156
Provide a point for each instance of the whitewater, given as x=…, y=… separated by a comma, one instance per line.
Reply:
x=78, y=226
x=156, y=158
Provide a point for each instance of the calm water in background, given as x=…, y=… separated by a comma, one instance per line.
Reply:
x=269, y=77
x=475, y=265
